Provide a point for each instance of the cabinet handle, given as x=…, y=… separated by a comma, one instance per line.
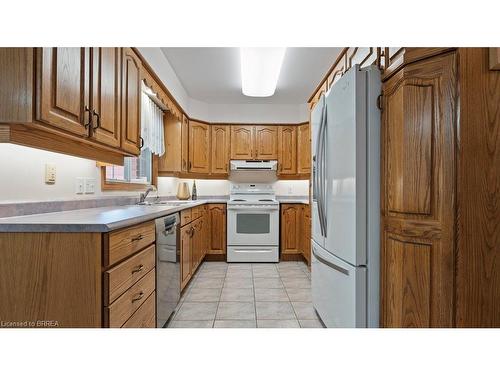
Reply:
x=137, y=238
x=190, y=165
x=139, y=297
x=142, y=143
x=89, y=123
x=98, y=122
x=183, y=164
x=139, y=268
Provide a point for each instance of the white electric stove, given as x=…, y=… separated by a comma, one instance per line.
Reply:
x=252, y=224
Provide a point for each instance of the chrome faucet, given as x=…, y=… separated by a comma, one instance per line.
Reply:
x=144, y=195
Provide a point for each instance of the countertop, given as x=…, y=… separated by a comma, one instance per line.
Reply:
x=103, y=219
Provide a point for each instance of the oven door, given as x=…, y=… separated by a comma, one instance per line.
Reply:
x=253, y=225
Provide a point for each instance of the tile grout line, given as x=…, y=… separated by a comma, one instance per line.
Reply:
x=220, y=296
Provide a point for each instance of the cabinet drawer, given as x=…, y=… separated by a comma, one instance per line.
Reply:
x=196, y=212
x=185, y=217
x=145, y=316
x=121, y=277
x=122, y=309
x=123, y=242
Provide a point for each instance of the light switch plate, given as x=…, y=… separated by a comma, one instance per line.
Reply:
x=79, y=185
x=50, y=173
x=89, y=185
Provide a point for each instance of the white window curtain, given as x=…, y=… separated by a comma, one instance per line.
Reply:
x=152, y=125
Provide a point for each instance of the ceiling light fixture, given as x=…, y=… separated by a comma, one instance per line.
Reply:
x=260, y=70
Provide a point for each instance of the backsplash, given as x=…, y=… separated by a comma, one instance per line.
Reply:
x=23, y=190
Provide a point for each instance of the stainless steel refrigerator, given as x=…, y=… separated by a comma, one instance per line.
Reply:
x=346, y=201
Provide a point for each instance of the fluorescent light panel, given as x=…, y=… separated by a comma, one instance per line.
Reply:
x=260, y=70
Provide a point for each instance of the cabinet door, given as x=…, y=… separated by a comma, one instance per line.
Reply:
x=186, y=234
x=242, y=142
x=63, y=81
x=220, y=149
x=170, y=161
x=184, y=144
x=418, y=215
x=287, y=150
x=217, y=230
x=290, y=228
x=106, y=68
x=303, y=149
x=306, y=233
x=266, y=142
x=131, y=102
x=196, y=245
x=199, y=147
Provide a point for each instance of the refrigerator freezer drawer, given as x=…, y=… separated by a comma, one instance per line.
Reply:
x=338, y=290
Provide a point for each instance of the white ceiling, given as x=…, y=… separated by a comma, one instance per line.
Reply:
x=212, y=75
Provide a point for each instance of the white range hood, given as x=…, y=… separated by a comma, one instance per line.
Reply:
x=253, y=165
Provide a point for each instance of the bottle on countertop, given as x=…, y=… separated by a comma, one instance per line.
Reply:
x=194, y=194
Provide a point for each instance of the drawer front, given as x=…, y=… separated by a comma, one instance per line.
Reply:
x=122, y=309
x=185, y=217
x=121, y=277
x=145, y=316
x=121, y=243
x=196, y=212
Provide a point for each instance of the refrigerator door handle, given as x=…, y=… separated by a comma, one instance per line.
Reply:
x=321, y=167
x=319, y=174
x=329, y=264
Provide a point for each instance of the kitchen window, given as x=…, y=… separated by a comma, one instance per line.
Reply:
x=139, y=172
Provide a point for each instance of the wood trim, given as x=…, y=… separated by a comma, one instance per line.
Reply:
x=46, y=138
x=127, y=186
x=325, y=78
x=494, y=58
x=406, y=55
x=159, y=82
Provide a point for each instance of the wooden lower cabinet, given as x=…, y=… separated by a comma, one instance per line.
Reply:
x=78, y=279
x=305, y=233
x=186, y=235
x=295, y=231
x=193, y=242
x=216, y=229
x=290, y=228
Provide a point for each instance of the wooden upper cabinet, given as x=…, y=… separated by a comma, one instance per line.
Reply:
x=418, y=193
x=63, y=79
x=171, y=160
x=184, y=143
x=106, y=79
x=217, y=228
x=199, y=147
x=287, y=150
x=266, y=142
x=221, y=139
x=131, y=102
x=303, y=149
x=242, y=142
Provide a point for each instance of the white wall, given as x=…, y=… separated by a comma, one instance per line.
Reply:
x=22, y=175
x=238, y=113
x=22, y=178
x=168, y=186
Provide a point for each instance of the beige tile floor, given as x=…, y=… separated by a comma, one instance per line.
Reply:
x=248, y=295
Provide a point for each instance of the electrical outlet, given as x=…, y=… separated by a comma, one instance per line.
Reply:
x=50, y=173
x=290, y=191
x=89, y=185
x=79, y=185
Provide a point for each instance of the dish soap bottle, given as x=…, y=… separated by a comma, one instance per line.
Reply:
x=194, y=195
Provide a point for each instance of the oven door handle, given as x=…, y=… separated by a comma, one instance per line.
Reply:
x=256, y=209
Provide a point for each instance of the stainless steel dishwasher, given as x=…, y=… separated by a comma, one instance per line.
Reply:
x=168, y=284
